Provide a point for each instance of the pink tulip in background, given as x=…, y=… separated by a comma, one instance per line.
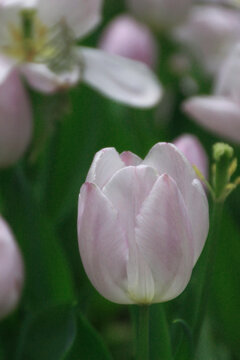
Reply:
x=142, y=224
x=220, y=112
x=127, y=37
x=11, y=270
x=191, y=147
x=15, y=120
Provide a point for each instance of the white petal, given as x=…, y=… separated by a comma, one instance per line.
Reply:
x=166, y=158
x=105, y=163
x=102, y=245
x=41, y=78
x=81, y=15
x=6, y=66
x=227, y=82
x=121, y=79
x=130, y=158
x=127, y=190
x=164, y=237
x=217, y=114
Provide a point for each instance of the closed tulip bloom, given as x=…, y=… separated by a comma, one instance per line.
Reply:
x=220, y=112
x=15, y=120
x=127, y=37
x=142, y=224
x=191, y=147
x=160, y=14
x=11, y=270
x=39, y=38
x=210, y=33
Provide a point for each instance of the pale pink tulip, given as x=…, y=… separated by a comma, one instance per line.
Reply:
x=142, y=224
x=39, y=37
x=191, y=147
x=15, y=120
x=220, y=112
x=11, y=270
x=160, y=14
x=127, y=37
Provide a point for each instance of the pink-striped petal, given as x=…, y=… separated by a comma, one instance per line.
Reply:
x=164, y=238
x=105, y=163
x=102, y=245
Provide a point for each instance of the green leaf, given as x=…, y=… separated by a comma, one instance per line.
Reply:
x=226, y=288
x=88, y=344
x=49, y=335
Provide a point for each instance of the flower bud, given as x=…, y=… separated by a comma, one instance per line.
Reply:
x=15, y=120
x=126, y=37
x=160, y=14
x=191, y=147
x=11, y=270
x=142, y=224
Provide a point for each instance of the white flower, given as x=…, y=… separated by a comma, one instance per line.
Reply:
x=220, y=112
x=39, y=38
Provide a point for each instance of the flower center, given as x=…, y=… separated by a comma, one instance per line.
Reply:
x=32, y=41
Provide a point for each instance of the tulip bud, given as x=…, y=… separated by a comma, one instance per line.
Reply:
x=11, y=270
x=160, y=14
x=142, y=224
x=126, y=37
x=15, y=120
x=191, y=147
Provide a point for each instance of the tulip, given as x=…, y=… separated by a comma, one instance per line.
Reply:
x=160, y=14
x=142, y=224
x=191, y=147
x=220, y=112
x=15, y=120
x=38, y=38
x=11, y=270
x=126, y=37
x=210, y=32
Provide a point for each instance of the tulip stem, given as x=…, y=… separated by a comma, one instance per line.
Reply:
x=142, y=333
x=210, y=254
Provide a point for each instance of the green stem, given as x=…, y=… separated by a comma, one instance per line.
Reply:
x=142, y=333
x=210, y=253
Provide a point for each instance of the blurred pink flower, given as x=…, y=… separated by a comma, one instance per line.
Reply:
x=191, y=147
x=210, y=32
x=38, y=37
x=142, y=224
x=127, y=37
x=11, y=271
x=160, y=14
x=15, y=119
x=220, y=113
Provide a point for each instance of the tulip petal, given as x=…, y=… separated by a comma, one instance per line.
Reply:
x=6, y=66
x=127, y=190
x=105, y=163
x=102, y=245
x=166, y=158
x=81, y=15
x=15, y=120
x=41, y=78
x=218, y=114
x=130, y=158
x=164, y=237
x=121, y=79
